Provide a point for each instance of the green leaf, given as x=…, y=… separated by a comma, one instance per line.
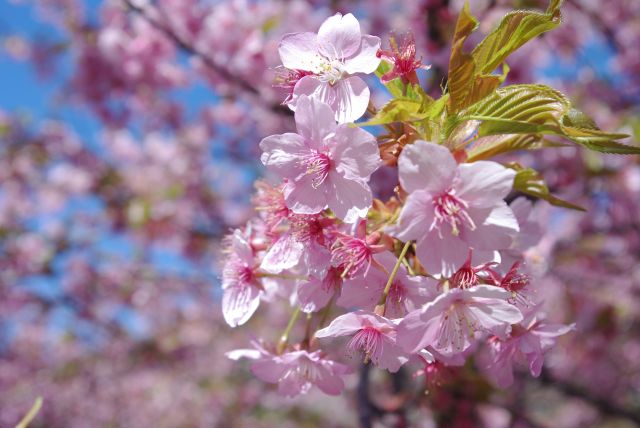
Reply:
x=462, y=68
x=515, y=29
x=411, y=107
x=529, y=181
x=539, y=109
x=493, y=145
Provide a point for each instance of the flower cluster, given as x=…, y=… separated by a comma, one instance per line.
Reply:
x=429, y=277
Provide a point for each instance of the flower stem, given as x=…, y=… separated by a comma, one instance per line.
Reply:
x=285, y=335
x=380, y=309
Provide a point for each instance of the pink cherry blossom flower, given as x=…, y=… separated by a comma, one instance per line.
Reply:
x=324, y=165
x=407, y=293
x=295, y=372
x=526, y=345
x=517, y=283
x=241, y=287
x=372, y=334
x=403, y=58
x=451, y=208
x=333, y=56
x=352, y=253
x=449, y=322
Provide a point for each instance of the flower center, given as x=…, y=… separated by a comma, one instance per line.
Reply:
x=331, y=71
x=307, y=228
x=369, y=341
x=352, y=254
x=318, y=165
x=245, y=274
x=453, y=211
x=465, y=277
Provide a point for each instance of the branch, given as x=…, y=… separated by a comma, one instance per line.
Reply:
x=222, y=71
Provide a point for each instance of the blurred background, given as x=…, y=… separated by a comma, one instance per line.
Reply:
x=129, y=145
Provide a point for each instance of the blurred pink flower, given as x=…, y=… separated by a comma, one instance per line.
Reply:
x=241, y=288
x=527, y=344
x=295, y=372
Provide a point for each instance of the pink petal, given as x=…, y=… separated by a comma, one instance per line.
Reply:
x=281, y=154
x=339, y=36
x=441, y=256
x=343, y=325
x=283, y=254
x=495, y=316
x=392, y=357
x=426, y=166
x=328, y=381
x=365, y=60
x=302, y=198
x=416, y=217
x=495, y=231
x=348, y=98
x=239, y=304
x=416, y=331
x=486, y=292
x=355, y=153
x=484, y=183
x=299, y=51
x=314, y=120
x=269, y=369
x=363, y=291
x=349, y=200
x=313, y=296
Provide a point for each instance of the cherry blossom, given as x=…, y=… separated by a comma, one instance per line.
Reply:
x=448, y=323
x=451, y=208
x=528, y=342
x=402, y=57
x=295, y=372
x=324, y=165
x=241, y=287
x=373, y=335
x=333, y=56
